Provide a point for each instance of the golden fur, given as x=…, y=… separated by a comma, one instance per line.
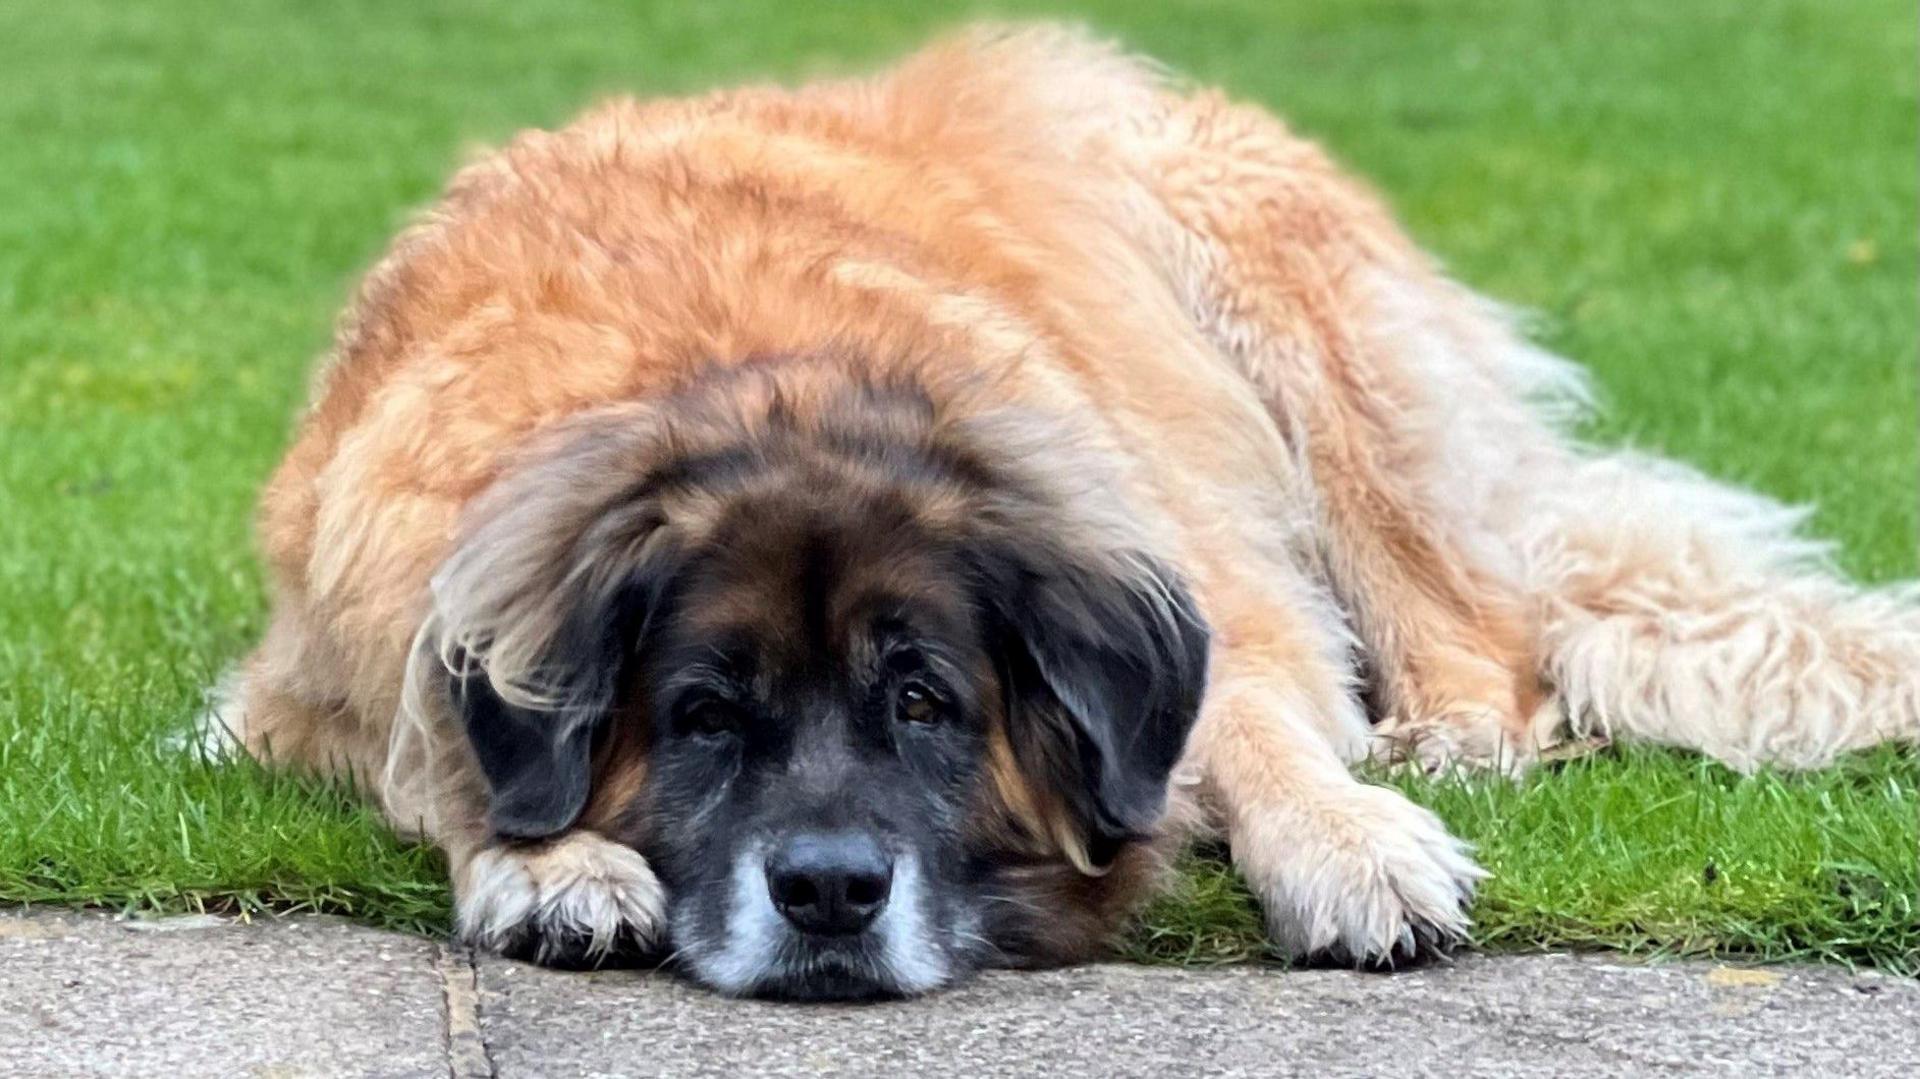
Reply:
x=1217, y=347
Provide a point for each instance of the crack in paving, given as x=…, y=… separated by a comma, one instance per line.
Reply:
x=467, y=1054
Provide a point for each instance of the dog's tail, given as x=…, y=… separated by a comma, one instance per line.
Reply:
x=1678, y=610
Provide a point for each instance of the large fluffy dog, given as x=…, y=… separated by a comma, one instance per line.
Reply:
x=845, y=536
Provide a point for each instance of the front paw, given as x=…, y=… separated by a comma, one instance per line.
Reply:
x=575, y=902
x=1373, y=881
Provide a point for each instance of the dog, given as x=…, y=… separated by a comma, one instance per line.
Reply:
x=842, y=538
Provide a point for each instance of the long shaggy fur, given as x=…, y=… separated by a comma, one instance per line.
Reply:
x=1215, y=350
x=1670, y=607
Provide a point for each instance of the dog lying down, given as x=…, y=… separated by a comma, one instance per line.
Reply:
x=842, y=538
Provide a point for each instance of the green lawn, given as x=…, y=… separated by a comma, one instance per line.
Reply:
x=1710, y=203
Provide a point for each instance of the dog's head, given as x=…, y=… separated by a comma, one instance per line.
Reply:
x=880, y=701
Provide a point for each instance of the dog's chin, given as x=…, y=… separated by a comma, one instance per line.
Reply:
x=829, y=974
x=857, y=969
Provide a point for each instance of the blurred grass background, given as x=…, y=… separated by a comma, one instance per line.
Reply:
x=1712, y=204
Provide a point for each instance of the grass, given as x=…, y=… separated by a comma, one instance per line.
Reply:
x=1711, y=204
x=1645, y=851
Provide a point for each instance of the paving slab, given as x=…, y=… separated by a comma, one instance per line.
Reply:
x=90, y=995
x=1521, y=1016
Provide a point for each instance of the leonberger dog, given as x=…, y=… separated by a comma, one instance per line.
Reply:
x=845, y=537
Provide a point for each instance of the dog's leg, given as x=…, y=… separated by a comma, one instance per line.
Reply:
x=1344, y=870
x=1291, y=300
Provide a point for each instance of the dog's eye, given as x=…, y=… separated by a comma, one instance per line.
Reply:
x=710, y=716
x=919, y=704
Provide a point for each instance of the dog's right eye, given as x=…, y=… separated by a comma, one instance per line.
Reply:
x=918, y=703
x=711, y=717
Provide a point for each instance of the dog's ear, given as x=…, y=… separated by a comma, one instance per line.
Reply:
x=1105, y=661
x=533, y=738
x=536, y=614
x=532, y=730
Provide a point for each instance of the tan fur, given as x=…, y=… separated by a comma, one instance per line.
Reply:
x=1209, y=338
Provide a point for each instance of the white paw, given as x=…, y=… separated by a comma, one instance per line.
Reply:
x=218, y=733
x=1372, y=880
x=576, y=901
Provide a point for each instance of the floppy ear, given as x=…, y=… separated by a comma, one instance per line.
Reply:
x=561, y=565
x=1106, y=666
x=536, y=749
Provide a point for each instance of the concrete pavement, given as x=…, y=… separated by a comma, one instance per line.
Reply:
x=86, y=994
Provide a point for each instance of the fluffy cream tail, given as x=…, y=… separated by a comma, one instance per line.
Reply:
x=1672, y=608
x=1681, y=611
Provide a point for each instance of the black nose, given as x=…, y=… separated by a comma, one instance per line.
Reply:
x=830, y=884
